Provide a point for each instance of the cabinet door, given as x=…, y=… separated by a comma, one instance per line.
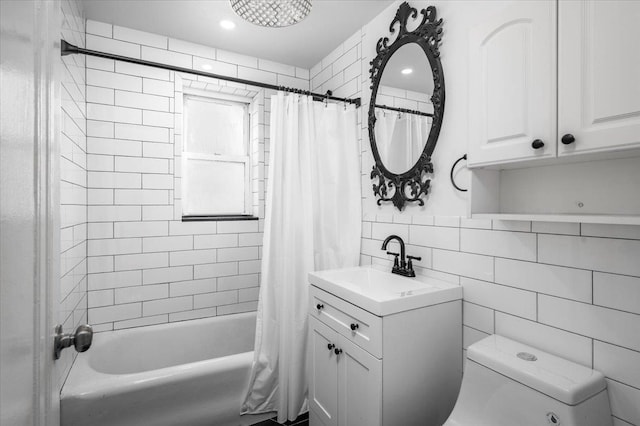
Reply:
x=323, y=383
x=512, y=84
x=599, y=75
x=359, y=386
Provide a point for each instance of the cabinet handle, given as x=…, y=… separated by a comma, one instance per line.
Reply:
x=537, y=144
x=354, y=327
x=337, y=351
x=331, y=346
x=319, y=306
x=568, y=139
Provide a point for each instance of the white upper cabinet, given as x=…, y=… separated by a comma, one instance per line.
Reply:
x=598, y=75
x=512, y=84
x=513, y=74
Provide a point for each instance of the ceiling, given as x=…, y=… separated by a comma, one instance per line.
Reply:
x=413, y=57
x=198, y=21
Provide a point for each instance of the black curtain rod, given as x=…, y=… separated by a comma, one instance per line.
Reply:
x=409, y=111
x=70, y=49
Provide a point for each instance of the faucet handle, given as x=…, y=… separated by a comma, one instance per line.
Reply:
x=410, y=263
x=395, y=259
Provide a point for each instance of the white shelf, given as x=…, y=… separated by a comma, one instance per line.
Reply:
x=582, y=218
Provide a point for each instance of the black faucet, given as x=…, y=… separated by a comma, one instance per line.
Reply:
x=405, y=266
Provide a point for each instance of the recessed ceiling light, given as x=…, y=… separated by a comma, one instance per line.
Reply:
x=206, y=67
x=227, y=25
x=407, y=71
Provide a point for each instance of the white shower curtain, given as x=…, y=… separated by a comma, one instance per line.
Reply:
x=313, y=222
x=401, y=138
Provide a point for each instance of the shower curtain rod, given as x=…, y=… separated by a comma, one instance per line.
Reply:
x=409, y=111
x=70, y=49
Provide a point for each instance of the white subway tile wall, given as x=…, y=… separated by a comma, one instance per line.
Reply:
x=570, y=289
x=146, y=266
x=73, y=183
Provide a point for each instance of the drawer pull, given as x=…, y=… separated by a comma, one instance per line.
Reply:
x=331, y=346
x=354, y=327
x=319, y=306
x=337, y=351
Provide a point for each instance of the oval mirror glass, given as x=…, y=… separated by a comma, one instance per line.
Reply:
x=404, y=113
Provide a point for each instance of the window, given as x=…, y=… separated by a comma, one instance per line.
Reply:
x=216, y=166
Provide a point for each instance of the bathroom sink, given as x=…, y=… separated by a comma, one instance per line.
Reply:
x=383, y=293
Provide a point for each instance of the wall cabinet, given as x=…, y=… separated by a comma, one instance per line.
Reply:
x=365, y=370
x=554, y=112
x=524, y=105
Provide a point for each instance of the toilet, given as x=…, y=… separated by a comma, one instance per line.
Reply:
x=507, y=383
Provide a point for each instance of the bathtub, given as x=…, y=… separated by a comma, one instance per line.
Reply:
x=189, y=373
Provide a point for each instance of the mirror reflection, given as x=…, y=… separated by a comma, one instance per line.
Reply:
x=403, y=108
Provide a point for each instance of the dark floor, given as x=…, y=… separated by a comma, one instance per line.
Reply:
x=303, y=420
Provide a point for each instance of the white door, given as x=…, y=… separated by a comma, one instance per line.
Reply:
x=359, y=386
x=28, y=236
x=323, y=383
x=512, y=84
x=598, y=76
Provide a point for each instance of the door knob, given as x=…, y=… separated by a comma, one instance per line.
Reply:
x=354, y=327
x=330, y=346
x=568, y=139
x=337, y=351
x=319, y=306
x=81, y=339
x=537, y=144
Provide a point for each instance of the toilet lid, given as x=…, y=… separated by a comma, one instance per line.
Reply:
x=559, y=378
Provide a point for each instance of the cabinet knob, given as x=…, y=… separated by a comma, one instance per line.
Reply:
x=331, y=346
x=568, y=139
x=354, y=327
x=319, y=306
x=537, y=144
x=337, y=351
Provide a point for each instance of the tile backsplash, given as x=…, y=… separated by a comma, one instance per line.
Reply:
x=575, y=296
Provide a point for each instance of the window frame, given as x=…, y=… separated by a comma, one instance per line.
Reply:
x=219, y=98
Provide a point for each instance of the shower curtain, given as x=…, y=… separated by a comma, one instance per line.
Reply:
x=393, y=130
x=313, y=222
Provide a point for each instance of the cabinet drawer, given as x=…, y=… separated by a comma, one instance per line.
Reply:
x=341, y=316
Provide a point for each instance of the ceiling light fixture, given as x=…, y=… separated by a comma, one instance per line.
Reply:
x=407, y=71
x=227, y=25
x=272, y=13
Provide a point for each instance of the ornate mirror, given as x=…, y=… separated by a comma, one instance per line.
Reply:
x=406, y=108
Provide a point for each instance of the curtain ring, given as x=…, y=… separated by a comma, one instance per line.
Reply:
x=326, y=98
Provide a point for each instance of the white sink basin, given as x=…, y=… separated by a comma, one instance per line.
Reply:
x=383, y=293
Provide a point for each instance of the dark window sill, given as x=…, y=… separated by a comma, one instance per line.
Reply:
x=218, y=217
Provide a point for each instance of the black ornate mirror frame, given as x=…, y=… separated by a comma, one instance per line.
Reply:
x=427, y=35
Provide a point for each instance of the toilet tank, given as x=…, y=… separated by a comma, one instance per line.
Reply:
x=508, y=383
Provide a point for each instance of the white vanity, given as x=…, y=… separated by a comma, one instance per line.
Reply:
x=385, y=349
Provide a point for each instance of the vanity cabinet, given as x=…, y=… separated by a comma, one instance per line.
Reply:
x=346, y=380
x=525, y=105
x=554, y=112
x=368, y=370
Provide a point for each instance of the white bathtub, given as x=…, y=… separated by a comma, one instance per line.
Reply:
x=188, y=373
